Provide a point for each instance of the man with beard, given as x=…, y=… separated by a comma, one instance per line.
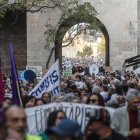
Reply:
x=126, y=120
x=17, y=124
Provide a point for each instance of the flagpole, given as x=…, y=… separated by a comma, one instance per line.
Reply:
x=19, y=94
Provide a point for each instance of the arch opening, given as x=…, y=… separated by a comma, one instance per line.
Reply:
x=66, y=26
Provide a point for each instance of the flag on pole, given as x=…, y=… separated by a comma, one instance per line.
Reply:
x=16, y=93
x=2, y=91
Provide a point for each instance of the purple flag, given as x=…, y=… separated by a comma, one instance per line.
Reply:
x=16, y=93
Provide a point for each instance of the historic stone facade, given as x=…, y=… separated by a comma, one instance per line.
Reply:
x=15, y=31
x=118, y=16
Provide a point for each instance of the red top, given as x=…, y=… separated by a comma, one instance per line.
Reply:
x=133, y=121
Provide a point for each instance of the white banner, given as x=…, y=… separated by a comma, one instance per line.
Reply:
x=49, y=83
x=37, y=116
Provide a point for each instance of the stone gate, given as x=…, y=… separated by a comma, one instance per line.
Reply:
x=118, y=16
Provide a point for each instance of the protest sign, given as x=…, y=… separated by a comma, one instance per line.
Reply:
x=108, y=69
x=67, y=73
x=68, y=65
x=49, y=83
x=94, y=69
x=37, y=116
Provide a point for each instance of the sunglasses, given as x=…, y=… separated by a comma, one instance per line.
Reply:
x=93, y=100
x=61, y=118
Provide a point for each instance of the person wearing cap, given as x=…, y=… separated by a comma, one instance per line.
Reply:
x=3, y=128
x=67, y=130
x=16, y=122
x=98, y=127
x=126, y=120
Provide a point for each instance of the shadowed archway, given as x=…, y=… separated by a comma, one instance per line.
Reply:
x=66, y=25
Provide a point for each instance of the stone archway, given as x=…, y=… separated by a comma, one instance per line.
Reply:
x=66, y=26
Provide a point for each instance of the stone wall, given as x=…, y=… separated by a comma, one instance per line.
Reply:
x=118, y=16
x=138, y=27
x=16, y=32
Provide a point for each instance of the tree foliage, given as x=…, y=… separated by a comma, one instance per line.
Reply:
x=87, y=51
x=75, y=13
x=18, y=7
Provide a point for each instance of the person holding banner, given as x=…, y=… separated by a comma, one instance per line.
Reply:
x=95, y=99
x=46, y=97
x=39, y=102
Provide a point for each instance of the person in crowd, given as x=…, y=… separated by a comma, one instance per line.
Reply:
x=105, y=82
x=87, y=70
x=98, y=127
x=54, y=119
x=127, y=77
x=125, y=89
x=88, y=87
x=3, y=127
x=126, y=119
x=7, y=102
x=83, y=99
x=69, y=97
x=95, y=99
x=39, y=102
x=79, y=83
x=16, y=122
x=83, y=93
x=117, y=99
x=98, y=82
x=28, y=101
x=59, y=99
x=67, y=130
x=111, y=91
x=46, y=97
x=96, y=89
x=104, y=93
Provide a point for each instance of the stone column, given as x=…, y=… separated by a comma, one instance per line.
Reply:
x=138, y=27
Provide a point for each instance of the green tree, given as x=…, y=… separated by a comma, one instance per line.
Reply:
x=87, y=51
x=18, y=7
x=101, y=48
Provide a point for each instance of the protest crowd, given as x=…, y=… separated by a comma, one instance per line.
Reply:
x=104, y=91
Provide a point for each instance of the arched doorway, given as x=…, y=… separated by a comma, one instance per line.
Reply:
x=65, y=26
